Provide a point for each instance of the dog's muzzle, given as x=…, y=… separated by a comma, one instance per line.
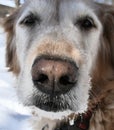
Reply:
x=54, y=76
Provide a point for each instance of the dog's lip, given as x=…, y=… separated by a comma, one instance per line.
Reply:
x=49, y=106
x=53, y=105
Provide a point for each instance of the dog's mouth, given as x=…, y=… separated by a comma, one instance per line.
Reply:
x=50, y=106
x=53, y=104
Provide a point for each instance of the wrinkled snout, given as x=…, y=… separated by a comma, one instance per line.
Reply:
x=53, y=75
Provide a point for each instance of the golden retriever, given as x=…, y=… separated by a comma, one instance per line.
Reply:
x=62, y=53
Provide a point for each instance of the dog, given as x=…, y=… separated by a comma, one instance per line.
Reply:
x=62, y=53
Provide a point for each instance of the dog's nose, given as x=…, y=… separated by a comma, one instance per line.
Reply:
x=54, y=75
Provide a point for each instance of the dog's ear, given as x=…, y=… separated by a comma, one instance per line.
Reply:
x=103, y=70
x=108, y=32
x=106, y=49
x=11, y=55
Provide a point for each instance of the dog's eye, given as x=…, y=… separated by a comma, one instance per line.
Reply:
x=86, y=23
x=30, y=20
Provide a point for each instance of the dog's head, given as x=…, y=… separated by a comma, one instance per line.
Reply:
x=51, y=48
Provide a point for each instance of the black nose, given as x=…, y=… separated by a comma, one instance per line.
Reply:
x=54, y=75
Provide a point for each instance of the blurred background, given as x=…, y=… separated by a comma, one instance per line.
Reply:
x=6, y=6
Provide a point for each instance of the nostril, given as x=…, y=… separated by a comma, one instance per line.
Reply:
x=42, y=78
x=64, y=80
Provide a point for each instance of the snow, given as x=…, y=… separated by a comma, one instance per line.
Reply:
x=7, y=3
x=10, y=3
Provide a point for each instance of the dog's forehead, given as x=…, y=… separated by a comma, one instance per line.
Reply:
x=63, y=6
x=76, y=8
